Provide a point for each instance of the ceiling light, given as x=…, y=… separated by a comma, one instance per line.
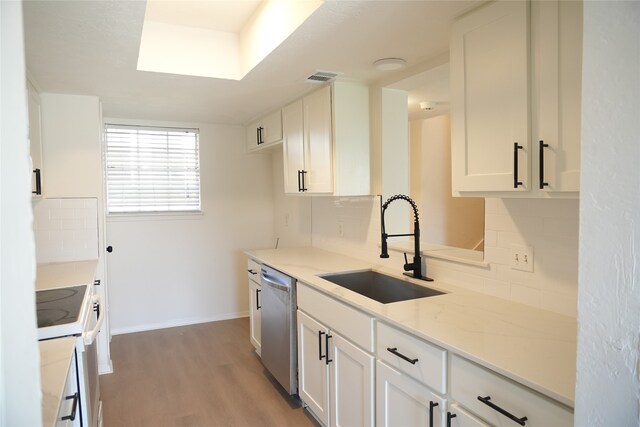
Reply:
x=427, y=105
x=390, y=64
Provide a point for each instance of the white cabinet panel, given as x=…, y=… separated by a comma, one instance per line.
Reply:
x=401, y=401
x=255, y=314
x=430, y=365
x=460, y=418
x=293, y=146
x=490, y=98
x=318, y=141
x=469, y=382
x=313, y=372
x=265, y=132
x=352, y=391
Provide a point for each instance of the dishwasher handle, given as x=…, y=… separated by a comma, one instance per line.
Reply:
x=269, y=281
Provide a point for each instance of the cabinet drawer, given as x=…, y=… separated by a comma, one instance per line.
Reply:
x=351, y=323
x=253, y=270
x=463, y=418
x=470, y=381
x=430, y=365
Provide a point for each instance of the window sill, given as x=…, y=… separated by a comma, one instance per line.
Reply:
x=154, y=216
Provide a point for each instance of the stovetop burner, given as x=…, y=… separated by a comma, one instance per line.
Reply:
x=59, y=306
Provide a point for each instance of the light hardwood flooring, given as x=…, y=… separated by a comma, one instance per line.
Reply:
x=199, y=375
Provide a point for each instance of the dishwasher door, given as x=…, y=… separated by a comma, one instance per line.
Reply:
x=279, y=339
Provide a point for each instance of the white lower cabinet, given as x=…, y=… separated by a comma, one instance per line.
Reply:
x=501, y=401
x=458, y=417
x=69, y=410
x=402, y=401
x=335, y=377
x=255, y=312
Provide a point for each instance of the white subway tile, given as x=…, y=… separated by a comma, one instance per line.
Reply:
x=499, y=222
x=72, y=224
x=61, y=214
x=559, y=302
x=496, y=255
x=490, y=238
x=563, y=227
x=508, y=238
x=497, y=288
x=72, y=203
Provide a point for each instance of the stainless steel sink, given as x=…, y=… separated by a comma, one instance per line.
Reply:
x=380, y=287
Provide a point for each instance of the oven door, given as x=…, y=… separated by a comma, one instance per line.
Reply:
x=87, y=352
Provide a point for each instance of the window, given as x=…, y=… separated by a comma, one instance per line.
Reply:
x=151, y=169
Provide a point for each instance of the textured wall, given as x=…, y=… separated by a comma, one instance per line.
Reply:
x=608, y=377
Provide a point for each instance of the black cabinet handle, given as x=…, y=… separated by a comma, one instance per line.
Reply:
x=258, y=306
x=96, y=282
x=395, y=351
x=299, y=180
x=432, y=405
x=516, y=147
x=487, y=401
x=542, y=147
x=303, y=173
x=109, y=249
x=326, y=348
x=252, y=272
x=320, y=334
x=450, y=416
x=74, y=408
x=38, y=182
x=259, y=135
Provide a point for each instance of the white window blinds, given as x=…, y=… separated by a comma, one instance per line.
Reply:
x=151, y=169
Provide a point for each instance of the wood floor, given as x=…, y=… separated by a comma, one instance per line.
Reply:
x=199, y=375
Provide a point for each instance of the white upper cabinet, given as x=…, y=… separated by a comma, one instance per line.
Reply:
x=35, y=139
x=515, y=81
x=326, y=142
x=265, y=132
x=556, y=95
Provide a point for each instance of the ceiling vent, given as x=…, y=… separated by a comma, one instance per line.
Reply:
x=322, y=76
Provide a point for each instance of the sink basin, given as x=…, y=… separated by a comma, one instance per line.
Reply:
x=380, y=287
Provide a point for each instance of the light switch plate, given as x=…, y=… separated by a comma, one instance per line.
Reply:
x=521, y=258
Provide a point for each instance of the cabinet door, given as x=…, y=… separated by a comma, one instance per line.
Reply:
x=557, y=61
x=490, y=98
x=272, y=128
x=318, y=152
x=292, y=146
x=35, y=134
x=351, y=378
x=400, y=401
x=255, y=314
x=252, y=136
x=313, y=372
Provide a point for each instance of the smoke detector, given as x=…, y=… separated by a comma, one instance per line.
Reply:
x=390, y=64
x=322, y=76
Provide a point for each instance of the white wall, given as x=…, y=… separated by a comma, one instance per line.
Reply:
x=445, y=220
x=608, y=376
x=172, y=270
x=19, y=358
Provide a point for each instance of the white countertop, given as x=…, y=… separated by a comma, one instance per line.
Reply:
x=63, y=274
x=55, y=361
x=534, y=347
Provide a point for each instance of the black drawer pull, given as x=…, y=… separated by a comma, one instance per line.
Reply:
x=516, y=147
x=258, y=306
x=487, y=401
x=320, y=334
x=252, y=272
x=72, y=417
x=395, y=351
x=450, y=416
x=432, y=405
x=38, y=182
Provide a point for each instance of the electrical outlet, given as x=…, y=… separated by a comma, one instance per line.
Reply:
x=341, y=229
x=521, y=258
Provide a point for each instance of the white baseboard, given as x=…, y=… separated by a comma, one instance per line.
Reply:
x=177, y=322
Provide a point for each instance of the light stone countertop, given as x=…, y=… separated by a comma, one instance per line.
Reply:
x=55, y=361
x=534, y=347
x=63, y=274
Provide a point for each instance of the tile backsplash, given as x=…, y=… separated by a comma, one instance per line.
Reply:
x=550, y=227
x=66, y=229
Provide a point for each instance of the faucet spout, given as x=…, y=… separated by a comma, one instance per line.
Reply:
x=416, y=265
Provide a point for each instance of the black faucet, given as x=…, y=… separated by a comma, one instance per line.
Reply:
x=416, y=265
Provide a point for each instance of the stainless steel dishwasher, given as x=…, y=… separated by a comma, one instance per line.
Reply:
x=279, y=338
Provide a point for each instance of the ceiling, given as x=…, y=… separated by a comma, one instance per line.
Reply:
x=91, y=48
